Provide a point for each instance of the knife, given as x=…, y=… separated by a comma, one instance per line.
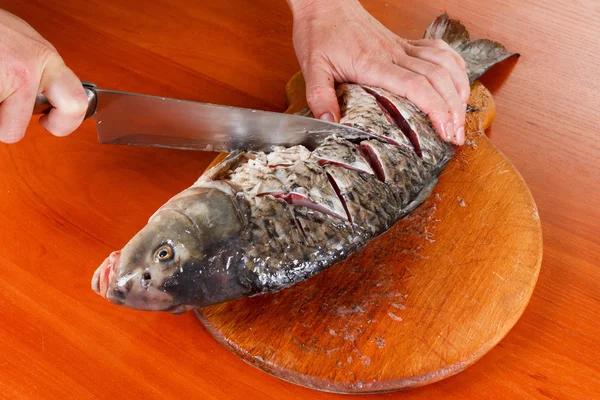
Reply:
x=142, y=120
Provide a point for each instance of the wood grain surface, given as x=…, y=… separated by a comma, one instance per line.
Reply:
x=419, y=303
x=67, y=202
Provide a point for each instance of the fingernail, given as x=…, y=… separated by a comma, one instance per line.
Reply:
x=327, y=117
x=450, y=130
x=460, y=135
x=446, y=132
x=458, y=125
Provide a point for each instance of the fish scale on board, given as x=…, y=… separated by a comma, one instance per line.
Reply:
x=259, y=223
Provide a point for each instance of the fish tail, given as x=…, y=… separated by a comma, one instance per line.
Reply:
x=479, y=55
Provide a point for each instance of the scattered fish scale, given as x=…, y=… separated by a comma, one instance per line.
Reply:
x=255, y=178
x=286, y=156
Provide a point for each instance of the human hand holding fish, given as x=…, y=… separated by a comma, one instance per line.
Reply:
x=339, y=41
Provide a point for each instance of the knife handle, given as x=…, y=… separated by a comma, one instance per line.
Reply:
x=43, y=106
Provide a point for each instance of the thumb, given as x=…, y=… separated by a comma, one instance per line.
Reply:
x=66, y=94
x=320, y=93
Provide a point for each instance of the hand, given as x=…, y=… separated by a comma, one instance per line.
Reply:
x=339, y=41
x=30, y=65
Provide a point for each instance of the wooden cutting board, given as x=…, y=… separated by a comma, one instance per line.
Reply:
x=419, y=303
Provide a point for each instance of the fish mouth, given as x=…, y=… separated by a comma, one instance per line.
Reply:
x=105, y=274
x=104, y=282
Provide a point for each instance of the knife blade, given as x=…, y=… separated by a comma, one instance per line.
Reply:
x=143, y=120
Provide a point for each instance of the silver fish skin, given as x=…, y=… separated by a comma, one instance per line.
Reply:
x=258, y=223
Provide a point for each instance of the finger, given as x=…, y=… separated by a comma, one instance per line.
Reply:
x=15, y=114
x=320, y=93
x=447, y=61
x=418, y=90
x=441, y=81
x=441, y=45
x=67, y=96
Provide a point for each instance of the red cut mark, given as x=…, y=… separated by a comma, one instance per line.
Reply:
x=297, y=199
x=400, y=122
x=365, y=155
x=390, y=140
x=339, y=194
x=275, y=194
x=363, y=129
x=323, y=161
x=373, y=159
x=372, y=133
x=385, y=138
x=387, y=114
x=355, y=127
x=280, y=165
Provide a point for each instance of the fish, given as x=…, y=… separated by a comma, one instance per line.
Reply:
x=261, y=222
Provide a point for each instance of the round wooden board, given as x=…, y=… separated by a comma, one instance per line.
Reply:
x=419, y=303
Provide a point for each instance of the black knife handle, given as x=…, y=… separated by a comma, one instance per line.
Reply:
x=43, y=106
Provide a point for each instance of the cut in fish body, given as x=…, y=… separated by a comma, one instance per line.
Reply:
x=259, y=223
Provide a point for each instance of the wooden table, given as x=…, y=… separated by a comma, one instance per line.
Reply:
x=59, y=340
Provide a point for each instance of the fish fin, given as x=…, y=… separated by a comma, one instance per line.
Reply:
x=479, y=55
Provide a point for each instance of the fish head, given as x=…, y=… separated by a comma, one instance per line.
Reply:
x=185, y=257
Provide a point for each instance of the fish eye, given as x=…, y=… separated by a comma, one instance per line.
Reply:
x=164, y=253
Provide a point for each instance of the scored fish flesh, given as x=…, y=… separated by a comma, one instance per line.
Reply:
x=259, y=223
